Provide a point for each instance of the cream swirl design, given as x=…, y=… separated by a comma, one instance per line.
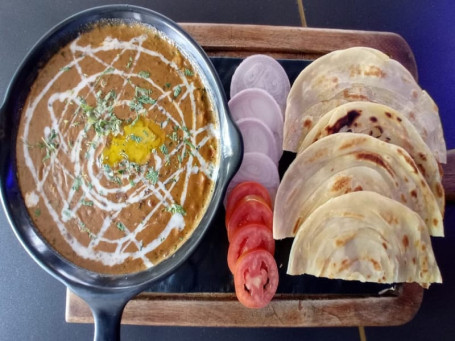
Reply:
x=117, y=149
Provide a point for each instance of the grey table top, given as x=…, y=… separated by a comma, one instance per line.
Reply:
x=32, y=303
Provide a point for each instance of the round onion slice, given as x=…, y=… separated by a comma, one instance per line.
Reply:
x=264, y=72
x=260, y=168
x=257, y=103
x=257, y=137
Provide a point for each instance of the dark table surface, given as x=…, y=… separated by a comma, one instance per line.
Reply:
x=32, y=303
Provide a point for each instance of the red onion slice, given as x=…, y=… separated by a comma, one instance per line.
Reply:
x=257, y=137
x=264, y=72
x=260, y=168
x=257, y=103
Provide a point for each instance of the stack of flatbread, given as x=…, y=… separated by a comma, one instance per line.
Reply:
x=364, y=193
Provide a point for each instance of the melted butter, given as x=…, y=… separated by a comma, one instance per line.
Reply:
x=136, y=143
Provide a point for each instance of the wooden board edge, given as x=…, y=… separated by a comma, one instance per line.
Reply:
x=292, y=42
x=223, y=310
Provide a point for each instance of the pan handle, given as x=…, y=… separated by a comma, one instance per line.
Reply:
x=107, y=309
x=107, y=315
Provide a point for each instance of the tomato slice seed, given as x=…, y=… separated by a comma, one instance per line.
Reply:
x=256, y=278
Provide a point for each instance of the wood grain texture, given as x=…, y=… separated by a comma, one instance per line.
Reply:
x=288, y=42
x=223, y=309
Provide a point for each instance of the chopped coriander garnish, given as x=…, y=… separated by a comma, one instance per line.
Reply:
x=138, y=91
x=83, y=228
x=175, y=208
x=179, y=158
x=173, y=136
x=164, y=149
x=102, y=117
x=186, y=130
x=37, y=212
x=144, y=74
x=84, y=106
x=107, y=168
x=110, y=69
x=177, y=90
x=146, y=100
x=116, y=180
x=77, y=183
x=152, y=176
x=167, y=85
x=188, y=72
x=135, y=138
x=86, y=202
x=189, y=143
x=121, y=226
x=130, y=62
x=50, y=144
x=66, y=68
x=136, y=105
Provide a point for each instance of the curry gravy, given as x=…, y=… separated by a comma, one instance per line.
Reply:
x=117, y=151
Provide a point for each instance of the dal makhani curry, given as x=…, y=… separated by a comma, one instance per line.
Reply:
x=117, y=150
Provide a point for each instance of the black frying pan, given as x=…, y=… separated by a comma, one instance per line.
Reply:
x=107, y=295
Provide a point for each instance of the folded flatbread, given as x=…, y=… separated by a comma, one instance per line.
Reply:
x=359, y=74
x=327, y=164
x=367, y=237
x=386, y=124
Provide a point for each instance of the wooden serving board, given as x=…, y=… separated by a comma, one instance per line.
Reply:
x=286, y=310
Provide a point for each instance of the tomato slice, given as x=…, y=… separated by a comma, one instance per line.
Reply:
x=243, y=189
x=249, y=237
x=250, y=209
x=256, y=278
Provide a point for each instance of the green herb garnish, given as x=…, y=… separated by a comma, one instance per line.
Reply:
x=146, y=100
x=110, y=69
x=135, y=105
x=66, y=68
x=83, y=228
x=130, y=62
x=164, y=149
x=189, y=143
x=138, y=91
x=102, y=117
x=121, y=226
x=175, y=208
x=77, y=183
x=152, y=176
x=188, y=73
x=177, y=90
x=87, y=202
x=50, y=144
x=144, y=74
x=37, y=212
x=135, y=138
